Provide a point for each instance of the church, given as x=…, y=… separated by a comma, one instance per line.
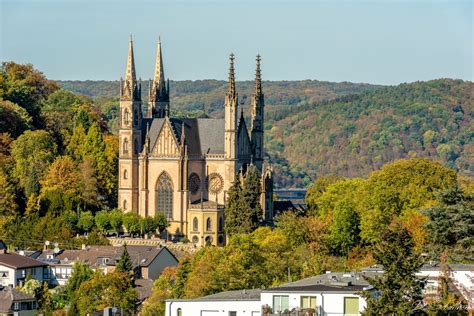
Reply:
x=183, y=167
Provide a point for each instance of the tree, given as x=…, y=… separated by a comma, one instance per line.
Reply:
x=131, y=222
x=81, y=272
x=148, y=225
x=162, y=290
x=62, y=176
x=116, y=220
x=71, y=219
x=317, y=188
x=398, y=290
x=251, y=195
x=451, y=225
x=13, y=118
x=344, y=229
x=111, y=289
x=293, y=226
x=86, y=221
x=102, y=221
x=161, y=222
x=8, y=205
x=88, y=183
x=239, y=217
x=125, y=262
x=33, y=152
x=45, y=299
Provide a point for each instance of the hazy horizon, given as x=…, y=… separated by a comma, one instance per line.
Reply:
x=385, y=42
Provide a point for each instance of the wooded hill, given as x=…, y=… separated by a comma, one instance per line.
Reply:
x=316, y=128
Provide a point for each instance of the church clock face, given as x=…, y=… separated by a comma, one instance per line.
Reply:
x=215, y=183
x=194, y=182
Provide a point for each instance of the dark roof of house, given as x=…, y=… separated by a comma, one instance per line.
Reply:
x=17, y=261
x=203, y=135
x=141, y=255
x=318, y=288
x=237, y=295
x=281, y=206
x=10, y=295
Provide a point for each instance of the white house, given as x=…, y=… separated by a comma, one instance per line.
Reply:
x=230, y=303
x=15, y=268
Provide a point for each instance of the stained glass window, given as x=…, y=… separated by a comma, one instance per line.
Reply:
x=164, y=195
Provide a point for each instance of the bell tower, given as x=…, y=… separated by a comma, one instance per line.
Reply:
x=130, y=138
x=158, y=92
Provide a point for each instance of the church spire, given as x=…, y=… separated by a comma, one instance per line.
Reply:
x=130, y=71
x=129, y=89
x=158, y=90
x=258, y=79
x=257, y=108
x=231, y=92
x=159, y=82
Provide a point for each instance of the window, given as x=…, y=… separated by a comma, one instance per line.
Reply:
x=232, y=313
x=164, y=195
x=195, y=239
x=125, y=174
x=46, y=273
x=195, y=224
x=351, y=306
x=126, y=117
x=208, y=240
x=124, y=205
x=280, y=303
x=179, y=312
x=208, y=224
x=221, y=224
x=125, y=145
x=308, y=302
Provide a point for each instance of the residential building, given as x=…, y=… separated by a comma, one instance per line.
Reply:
x=15, y=268
x=16, y=303
x=230, y=303
x=183, y=167
x=148, y=262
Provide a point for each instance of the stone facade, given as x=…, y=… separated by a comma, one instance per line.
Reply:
x=183, y=167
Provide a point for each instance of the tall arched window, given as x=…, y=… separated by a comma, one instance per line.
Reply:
x=208, y=224
x=125, y=145
x=125, y=174
x=124, y=205
x=164, y=195
x=126, y=117
x=180, y=312
x=195, y=224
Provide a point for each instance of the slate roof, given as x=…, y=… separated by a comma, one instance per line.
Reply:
x=141, y=255
x=10, y=295
x=16, y=261
x=203, y=135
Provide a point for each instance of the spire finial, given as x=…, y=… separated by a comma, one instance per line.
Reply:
x=258, y=78
x=159, y=83
x=231, y=87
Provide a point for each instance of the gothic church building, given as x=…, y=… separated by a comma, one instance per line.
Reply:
x=183, y=167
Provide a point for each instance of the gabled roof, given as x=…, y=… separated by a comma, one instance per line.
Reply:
x=10, y=295
x=15, y=261
x=236, y=295
x=203, y=135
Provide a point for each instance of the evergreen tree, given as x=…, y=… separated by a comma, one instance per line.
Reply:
x=251, y=195
x=398, y=290
x=236, y=218
x=45, y=300
x=81, y=272
x=125, y=262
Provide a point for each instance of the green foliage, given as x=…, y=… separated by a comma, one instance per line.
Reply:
x=32, y=287
x=293, y=226
x=86, y=221
x=344, y=229
x=161, y=222
x=45, y=300
x=162, y=290
x=13, y=118
x=33, y=151
x=398, y=290
x=451, y=225
x=81, y=272
x=317, y=188
x=125, y=262
x=116, y=219
x=131, y=222
x=111, y=289
x=148, y=225
x=102, y=221
x=251, y=195
x=8, y=205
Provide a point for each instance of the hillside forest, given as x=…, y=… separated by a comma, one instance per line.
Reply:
x=315, y=128
x=58, y=168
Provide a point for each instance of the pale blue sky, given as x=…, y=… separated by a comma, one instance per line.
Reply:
x=384, y=42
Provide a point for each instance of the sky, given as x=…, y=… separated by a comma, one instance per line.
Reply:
x=380, y=42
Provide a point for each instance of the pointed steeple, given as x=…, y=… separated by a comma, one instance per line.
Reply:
x=231, y=92
x=258, y=79
x=130, y=71
x=129, y=89
x=158, y=91
x=159, y=74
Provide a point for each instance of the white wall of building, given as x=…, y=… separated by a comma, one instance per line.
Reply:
x=326, y=303
x=10, y=276
x=213, y=308
x=7, y=276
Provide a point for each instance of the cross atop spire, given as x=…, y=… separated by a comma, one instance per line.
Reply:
x=231, y=92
